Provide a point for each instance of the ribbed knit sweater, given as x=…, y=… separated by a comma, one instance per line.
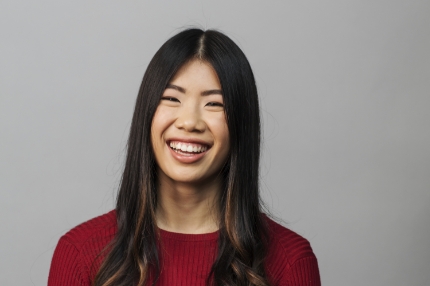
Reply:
x=186, y=259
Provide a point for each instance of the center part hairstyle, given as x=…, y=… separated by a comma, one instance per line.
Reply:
x=132, y=258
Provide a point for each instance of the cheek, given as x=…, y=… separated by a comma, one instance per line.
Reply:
x=157, y=128
x=160, y=121
x=220, y=130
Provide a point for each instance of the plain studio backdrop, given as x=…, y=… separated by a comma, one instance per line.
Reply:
x=344, y=90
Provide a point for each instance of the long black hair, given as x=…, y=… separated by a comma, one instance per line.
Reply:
x=133, y=255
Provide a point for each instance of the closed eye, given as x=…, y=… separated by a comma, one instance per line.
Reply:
x=214, y=104
x=169, y=98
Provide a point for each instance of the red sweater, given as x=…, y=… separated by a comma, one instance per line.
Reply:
x=186, y=258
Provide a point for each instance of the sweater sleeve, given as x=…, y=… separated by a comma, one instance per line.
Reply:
x=66, y=268
x=303, y=272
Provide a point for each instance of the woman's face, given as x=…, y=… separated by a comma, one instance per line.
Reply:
x=189, y=132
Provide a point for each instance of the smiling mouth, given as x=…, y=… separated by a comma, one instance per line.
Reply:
x=187, y=148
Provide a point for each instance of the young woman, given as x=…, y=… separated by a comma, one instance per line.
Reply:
x=188, y=210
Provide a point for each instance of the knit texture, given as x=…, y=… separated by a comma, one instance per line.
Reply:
x=186, y=259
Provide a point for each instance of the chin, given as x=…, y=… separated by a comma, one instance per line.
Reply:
x=190, y=178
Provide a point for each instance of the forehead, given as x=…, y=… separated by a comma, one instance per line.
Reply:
x=196, y=73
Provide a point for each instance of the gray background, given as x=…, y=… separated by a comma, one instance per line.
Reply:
x=344, y=89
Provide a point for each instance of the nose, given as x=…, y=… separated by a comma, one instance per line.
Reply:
x=189, y=119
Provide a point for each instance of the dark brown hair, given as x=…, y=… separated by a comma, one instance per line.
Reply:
x=133, y=255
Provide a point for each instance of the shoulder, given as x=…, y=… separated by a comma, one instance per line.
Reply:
x=290, y=259
x=291, y=245
x=95, y=230
x=79, y=251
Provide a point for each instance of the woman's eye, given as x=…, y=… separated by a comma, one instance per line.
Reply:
x=214, y=104
x=171, y=99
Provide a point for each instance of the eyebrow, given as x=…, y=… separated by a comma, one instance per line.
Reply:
x=204, y=93
x=175, y=87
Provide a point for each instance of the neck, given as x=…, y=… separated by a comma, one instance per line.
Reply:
x=188, y=208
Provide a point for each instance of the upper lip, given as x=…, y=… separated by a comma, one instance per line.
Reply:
x=190, y=140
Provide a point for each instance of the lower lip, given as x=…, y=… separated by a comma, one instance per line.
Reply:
x=188, y=158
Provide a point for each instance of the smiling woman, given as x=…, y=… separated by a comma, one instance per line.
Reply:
x=188, y=210
x=189, y=131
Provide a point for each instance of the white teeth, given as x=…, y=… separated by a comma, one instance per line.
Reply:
x=184, y=147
